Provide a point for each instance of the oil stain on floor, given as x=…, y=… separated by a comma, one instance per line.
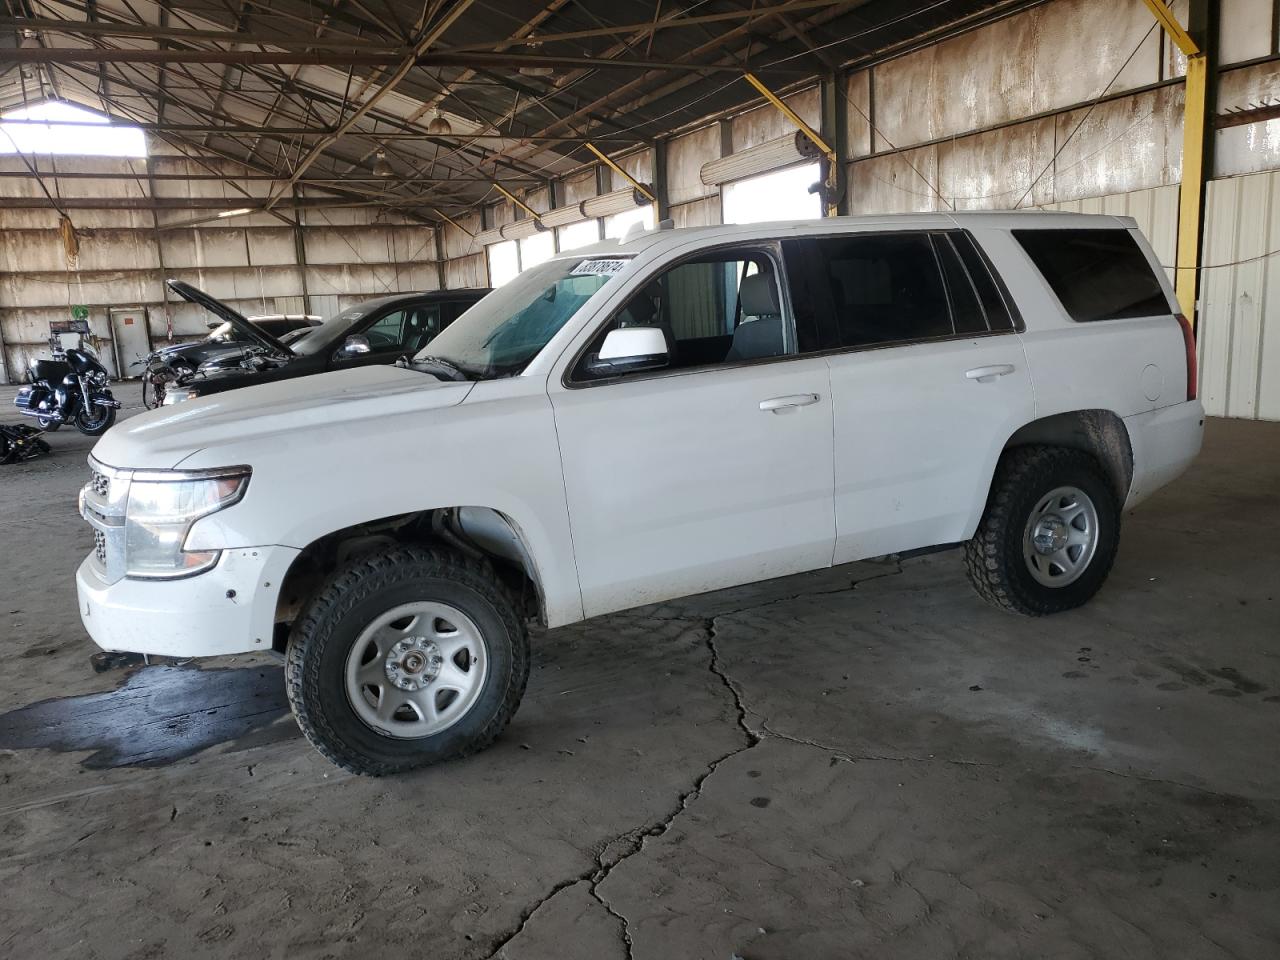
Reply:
x=158, y=715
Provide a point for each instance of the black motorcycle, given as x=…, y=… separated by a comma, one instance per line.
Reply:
x=70, y=388
x=161, y=370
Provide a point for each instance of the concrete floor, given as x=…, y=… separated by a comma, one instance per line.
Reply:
x=866, y=762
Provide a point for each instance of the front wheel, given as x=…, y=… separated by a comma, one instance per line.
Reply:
x=405, y=658
x=95, y=421
x=1049, y=535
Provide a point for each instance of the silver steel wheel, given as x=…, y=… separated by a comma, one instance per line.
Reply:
x=1061, y=536
x=416, y=670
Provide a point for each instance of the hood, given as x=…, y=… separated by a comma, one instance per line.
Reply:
x=220, y=309
x=164, y=438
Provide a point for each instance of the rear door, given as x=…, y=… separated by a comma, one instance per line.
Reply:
x=928, y=381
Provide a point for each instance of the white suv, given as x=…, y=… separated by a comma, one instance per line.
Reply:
x=680, y=412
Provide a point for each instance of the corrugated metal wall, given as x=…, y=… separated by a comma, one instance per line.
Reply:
x=251, y=261
x=1240, y=298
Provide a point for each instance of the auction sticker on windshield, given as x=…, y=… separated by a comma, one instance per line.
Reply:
x=598, y=267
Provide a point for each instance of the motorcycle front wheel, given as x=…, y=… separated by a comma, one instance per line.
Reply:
x=95, y=421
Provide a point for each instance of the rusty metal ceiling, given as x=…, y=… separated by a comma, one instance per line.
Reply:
x=308, y=92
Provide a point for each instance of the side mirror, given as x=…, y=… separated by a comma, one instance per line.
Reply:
x=628, y=350
x=355, y=345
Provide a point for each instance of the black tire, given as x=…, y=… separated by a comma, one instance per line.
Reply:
x=48, y=425
x=997, y=567
x=91, y=427
x=315, y=661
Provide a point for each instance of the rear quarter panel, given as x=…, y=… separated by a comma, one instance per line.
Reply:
x=1127, y=366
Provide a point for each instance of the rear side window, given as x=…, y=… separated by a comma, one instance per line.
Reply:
x=1096, y=274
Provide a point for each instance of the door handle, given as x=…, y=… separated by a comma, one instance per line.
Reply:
x=987, y=374
x=788, y=403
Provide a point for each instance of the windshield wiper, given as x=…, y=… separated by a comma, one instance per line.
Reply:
x=440, y=367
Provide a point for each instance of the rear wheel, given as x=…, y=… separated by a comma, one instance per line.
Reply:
x=48, y=424
x=405, y=658
x=1050, y=532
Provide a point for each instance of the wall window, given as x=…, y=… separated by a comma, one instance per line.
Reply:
x=504, y=262
x=74, y=132
x=780, y=195
x=580, y=234
x=537, y=249
x=616, y=227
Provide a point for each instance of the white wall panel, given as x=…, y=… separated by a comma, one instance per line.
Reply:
x=1245, y=30
x=699, y=213
x=685, y=157
x=768, y=122
x=1239, y=332
x=465, y=272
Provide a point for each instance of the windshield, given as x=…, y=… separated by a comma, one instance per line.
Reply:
x=508, y=328
x=326, y=335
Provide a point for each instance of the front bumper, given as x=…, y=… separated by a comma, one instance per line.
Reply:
x=228, y=609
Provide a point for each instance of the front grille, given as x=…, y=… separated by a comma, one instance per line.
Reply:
x=104, y=501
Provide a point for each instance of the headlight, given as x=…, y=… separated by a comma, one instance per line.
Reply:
x=178, y=394
x=162, y=508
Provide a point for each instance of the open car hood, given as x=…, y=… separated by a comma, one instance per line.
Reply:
x=220, y=309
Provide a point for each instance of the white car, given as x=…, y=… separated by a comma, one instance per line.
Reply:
x=679, y=412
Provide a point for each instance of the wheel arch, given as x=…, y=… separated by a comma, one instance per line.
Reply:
x=1100, y=433
x=480, y=531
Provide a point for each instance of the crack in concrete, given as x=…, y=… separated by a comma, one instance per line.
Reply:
x=635, y=840
x=1175, y=783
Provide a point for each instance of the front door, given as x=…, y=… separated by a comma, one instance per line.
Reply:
x=714, y=471
x=131, y=340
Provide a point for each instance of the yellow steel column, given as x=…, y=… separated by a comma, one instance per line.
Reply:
x=809, y=133
x=1191, y=194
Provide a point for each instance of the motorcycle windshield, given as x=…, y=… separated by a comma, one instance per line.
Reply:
x=220, y=309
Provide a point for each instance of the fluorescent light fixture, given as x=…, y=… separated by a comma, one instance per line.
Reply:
x=238, y=212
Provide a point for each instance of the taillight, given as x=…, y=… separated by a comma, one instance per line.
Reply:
x=1189, y=340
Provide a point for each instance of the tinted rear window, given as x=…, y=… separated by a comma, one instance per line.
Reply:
x=1097, y=274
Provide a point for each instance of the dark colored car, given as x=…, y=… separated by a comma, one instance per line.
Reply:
x=226, y=345
x=376, y=331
